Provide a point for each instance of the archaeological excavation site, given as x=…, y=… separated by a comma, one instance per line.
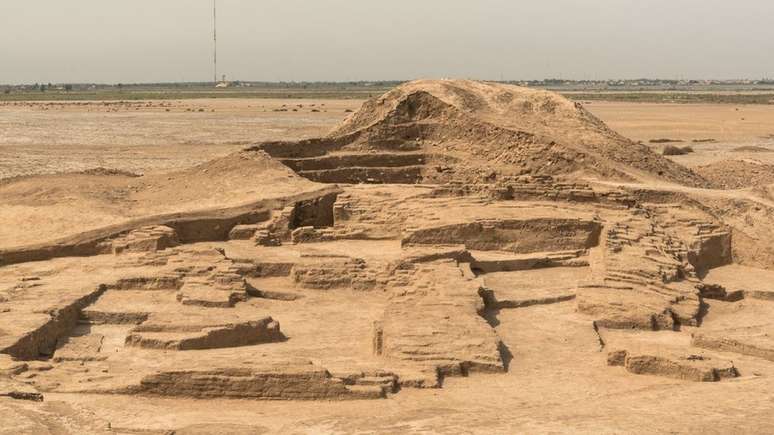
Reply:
x=451, y=248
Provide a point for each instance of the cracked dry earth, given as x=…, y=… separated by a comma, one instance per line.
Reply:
x=457, y=257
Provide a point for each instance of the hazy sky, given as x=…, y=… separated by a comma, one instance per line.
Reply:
x=131, y=41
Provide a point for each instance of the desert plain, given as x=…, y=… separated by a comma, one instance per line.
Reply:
x=449, y=257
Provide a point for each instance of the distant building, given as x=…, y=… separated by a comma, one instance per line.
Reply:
x=223, y=83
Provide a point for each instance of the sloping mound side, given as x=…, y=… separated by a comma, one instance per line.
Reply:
x=233, y=179
x=539, y=112
x=738, y=174
x=45, y=208
x=474, y=130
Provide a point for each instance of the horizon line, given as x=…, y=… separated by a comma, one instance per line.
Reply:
x=391, y=81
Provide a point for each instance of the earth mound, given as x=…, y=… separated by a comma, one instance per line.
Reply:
x=751, y=149
x=123, y=297
x=47, y=208
x=738, y=174
x=458, y=130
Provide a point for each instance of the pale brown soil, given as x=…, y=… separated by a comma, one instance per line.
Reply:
x=54, y=207
x=738, y=174
x=73, y=136
x=40, y=138
x=737, y=131
x=458, y=257
x=687, y=122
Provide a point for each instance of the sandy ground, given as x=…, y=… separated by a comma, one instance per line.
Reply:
x=147, y=136
x=557, y=379
x=140, y=137
x=722, y=122
x=551, y=345
x=730, y=126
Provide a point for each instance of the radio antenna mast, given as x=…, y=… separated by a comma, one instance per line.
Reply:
x=214, y=42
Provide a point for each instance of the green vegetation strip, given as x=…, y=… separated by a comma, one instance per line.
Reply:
x=669, y=97
x=349, y=91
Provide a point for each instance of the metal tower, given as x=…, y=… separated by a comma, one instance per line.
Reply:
x=214, y=42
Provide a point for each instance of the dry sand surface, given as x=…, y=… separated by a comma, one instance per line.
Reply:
x=50, y=137
x=715, y=131
x=452, y=257
x=47, y=137
x=722, y=122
